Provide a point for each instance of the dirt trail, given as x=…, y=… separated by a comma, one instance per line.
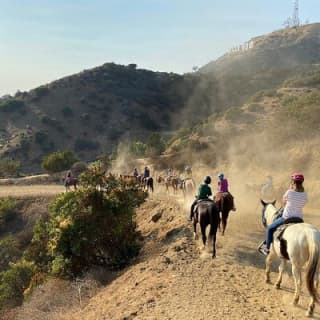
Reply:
x=172, y=279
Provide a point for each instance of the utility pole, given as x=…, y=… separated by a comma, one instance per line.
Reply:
x=295, y=16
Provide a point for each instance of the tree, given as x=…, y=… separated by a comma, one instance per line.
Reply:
x=9, y=168
x=58, y=161
x=89, y=226
x=155, y=145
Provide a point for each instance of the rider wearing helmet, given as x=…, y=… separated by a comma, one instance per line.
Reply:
x=223, y=187
x=203, y=194
x=135, y=172
x=294, y=200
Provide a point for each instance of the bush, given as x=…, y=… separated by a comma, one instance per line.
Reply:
x=12, y=105
x=138, y=148
x=155, y=145
x=14, y=282
x=67, y=112
x=7, y=210
x=9, y=168
x=9, y=252
x=58, y=161
x=85, y=144
x=89, y=227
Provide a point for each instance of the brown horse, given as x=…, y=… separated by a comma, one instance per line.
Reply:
x=129, y=179
x=172, y=182
x=207, y=213
x=224, y=201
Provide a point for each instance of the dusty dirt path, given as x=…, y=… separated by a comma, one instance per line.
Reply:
x=172, y=279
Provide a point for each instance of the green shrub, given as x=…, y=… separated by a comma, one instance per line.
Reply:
x=14, y=282
x=85, y=144
x=155, y=145
x=58, y=161
x=9, y=252
x=9, y=168
x=12, y=105
x=89, y=227
x=138, y=148
x=7, y=210
x=67, y=112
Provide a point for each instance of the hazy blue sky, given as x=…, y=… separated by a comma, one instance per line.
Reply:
x=42, y=40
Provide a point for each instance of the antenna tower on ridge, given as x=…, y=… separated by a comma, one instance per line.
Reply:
x=295, y=16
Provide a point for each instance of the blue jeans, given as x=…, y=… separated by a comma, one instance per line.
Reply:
x=271, y=229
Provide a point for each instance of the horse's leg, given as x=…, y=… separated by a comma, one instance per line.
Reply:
x=213, y=236
x=296, y=271
x=203, y=233
x=225, y=215
x=268, y=266
x=195, y=229
x=281, y=269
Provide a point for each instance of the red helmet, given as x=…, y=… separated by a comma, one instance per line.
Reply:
x=297, y=177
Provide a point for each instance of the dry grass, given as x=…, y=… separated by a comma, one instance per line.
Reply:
x=30, y=191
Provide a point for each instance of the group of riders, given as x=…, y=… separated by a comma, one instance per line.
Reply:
x=294, y=200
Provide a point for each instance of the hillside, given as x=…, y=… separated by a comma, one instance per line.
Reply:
x=264, y=62
x=90, y=112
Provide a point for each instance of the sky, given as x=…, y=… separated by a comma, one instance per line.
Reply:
x=44, y=40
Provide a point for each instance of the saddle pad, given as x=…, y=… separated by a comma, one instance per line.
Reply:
x=207, y=203
x=279, y=233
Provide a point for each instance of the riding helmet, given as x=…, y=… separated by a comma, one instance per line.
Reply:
x=220, y=175
x=297, y=177
x=207, y=180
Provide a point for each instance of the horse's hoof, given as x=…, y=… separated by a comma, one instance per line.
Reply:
x=295, y=301
x=268, y=281
x=277, y=286
x=213, y=256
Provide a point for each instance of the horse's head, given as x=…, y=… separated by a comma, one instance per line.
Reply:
x=160, y=179
x=268, y=212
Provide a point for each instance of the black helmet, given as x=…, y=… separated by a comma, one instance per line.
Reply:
x=207, y=180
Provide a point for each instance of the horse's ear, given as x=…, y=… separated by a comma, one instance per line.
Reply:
x=263, y=203
x=274, y=202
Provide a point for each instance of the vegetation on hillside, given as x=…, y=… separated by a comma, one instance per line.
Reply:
x=94, y=225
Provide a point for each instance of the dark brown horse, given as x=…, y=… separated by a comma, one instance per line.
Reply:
x=147, y=184
x=207, y=213
x=169, y=182
x=69, y=182
x=224, y=201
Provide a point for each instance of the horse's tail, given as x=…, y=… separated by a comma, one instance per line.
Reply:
x=313, y=264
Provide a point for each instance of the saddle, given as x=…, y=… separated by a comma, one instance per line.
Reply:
x=278, y=234
x=206, y=202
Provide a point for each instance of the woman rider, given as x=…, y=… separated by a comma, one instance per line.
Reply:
x=294, y=200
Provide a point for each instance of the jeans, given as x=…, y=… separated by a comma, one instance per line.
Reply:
x=271, y=229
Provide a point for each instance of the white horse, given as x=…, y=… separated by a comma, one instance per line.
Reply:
x=303, y=247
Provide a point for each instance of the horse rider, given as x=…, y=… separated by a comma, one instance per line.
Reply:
x=294, y=200
x=169, y=174
x=188, y=172
x=68, y=177
x=203, y=194
x=135, y=172
x=223, y=187
x=146, y=173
